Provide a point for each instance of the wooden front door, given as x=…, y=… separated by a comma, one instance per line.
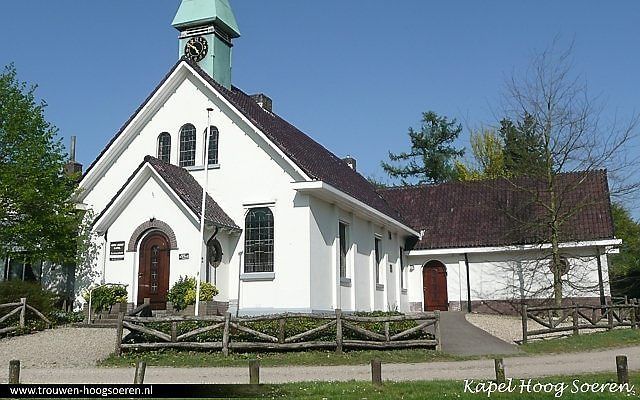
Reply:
x=434, y=283
x=153, y=271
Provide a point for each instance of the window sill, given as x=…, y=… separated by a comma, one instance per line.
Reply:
x=201, y=167
x=257, y=276
x=345, y=282
x=403, y=291
x=379, y=287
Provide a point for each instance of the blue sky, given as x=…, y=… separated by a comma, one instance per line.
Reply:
x=352, y=74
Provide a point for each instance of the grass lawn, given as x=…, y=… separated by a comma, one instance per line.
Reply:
x=445, y=389
x=585, y=342
x=174, y=358
x=456, y=389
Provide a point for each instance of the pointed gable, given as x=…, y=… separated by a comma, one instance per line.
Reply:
x=311, y=157
x=184, y=186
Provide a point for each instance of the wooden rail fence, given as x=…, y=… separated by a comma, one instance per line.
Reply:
x=20, y=308
x=142, y=329
x=578, y=317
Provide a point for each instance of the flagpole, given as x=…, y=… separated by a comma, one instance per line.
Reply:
x=203, y=244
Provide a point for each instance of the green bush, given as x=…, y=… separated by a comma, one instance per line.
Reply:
x=60, y=317
x=183, y=292
x=104, y=297
x=37, y=297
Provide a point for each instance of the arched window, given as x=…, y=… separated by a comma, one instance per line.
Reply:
x=213, y=145
x=164, y=146
x=188, y=146
x=258, y=241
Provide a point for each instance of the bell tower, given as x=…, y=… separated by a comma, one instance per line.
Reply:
x=207, y=29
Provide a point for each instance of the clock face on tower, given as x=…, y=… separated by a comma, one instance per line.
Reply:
x=196, y=48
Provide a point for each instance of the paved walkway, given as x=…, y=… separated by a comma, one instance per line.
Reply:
x=462, y=338
x=520, y=367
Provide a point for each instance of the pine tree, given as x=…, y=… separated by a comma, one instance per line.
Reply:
x=432, y=155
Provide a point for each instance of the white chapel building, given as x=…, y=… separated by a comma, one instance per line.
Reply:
x=289, y=226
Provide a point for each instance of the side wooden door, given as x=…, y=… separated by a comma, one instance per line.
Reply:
x=434, y=281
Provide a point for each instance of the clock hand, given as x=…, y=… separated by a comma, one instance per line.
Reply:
x=193, y=47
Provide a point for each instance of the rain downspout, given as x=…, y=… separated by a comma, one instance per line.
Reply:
x=466, y=262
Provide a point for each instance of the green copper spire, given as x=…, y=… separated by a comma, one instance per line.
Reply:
x=207, y=28
x=206, y=12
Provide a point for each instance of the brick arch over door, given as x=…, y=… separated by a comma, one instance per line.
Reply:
x=153, y=224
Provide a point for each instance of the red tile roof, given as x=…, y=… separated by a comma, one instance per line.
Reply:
x=494, y=213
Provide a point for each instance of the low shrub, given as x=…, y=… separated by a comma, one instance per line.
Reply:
x=104, y=297
x=183, y=292
x=37, y=297
x=60, y=317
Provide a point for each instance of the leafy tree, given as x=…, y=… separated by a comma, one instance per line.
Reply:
x=625, y=266
x=488, y=157
x=37, y=215
x=432, y=155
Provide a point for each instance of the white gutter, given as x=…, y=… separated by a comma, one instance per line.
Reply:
x=495, y=249
x=327, y=192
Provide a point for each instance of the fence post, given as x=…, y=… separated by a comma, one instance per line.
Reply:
x=437, y=331
x=376, y=372
x=254, y=372
x=622, y=370
x=14, y=372
x=632, y=314
x=387, y=337
x=23, y=312
x=499, y=367
x=576, y=330
x=225, y=334
x=524, y=324
x=610, y=317
x=338, y=331
x=174, y=332
x=281, y=323
x=141, y=369
x=119, y=334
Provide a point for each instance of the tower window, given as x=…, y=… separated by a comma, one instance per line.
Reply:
x=258, y=241
x=213, y=145
x=164, y=146
x=187, y=145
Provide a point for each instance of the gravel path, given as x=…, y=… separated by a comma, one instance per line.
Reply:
x=509, y=328
x=505, y=327
x=520, y=367
x=62, y=347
